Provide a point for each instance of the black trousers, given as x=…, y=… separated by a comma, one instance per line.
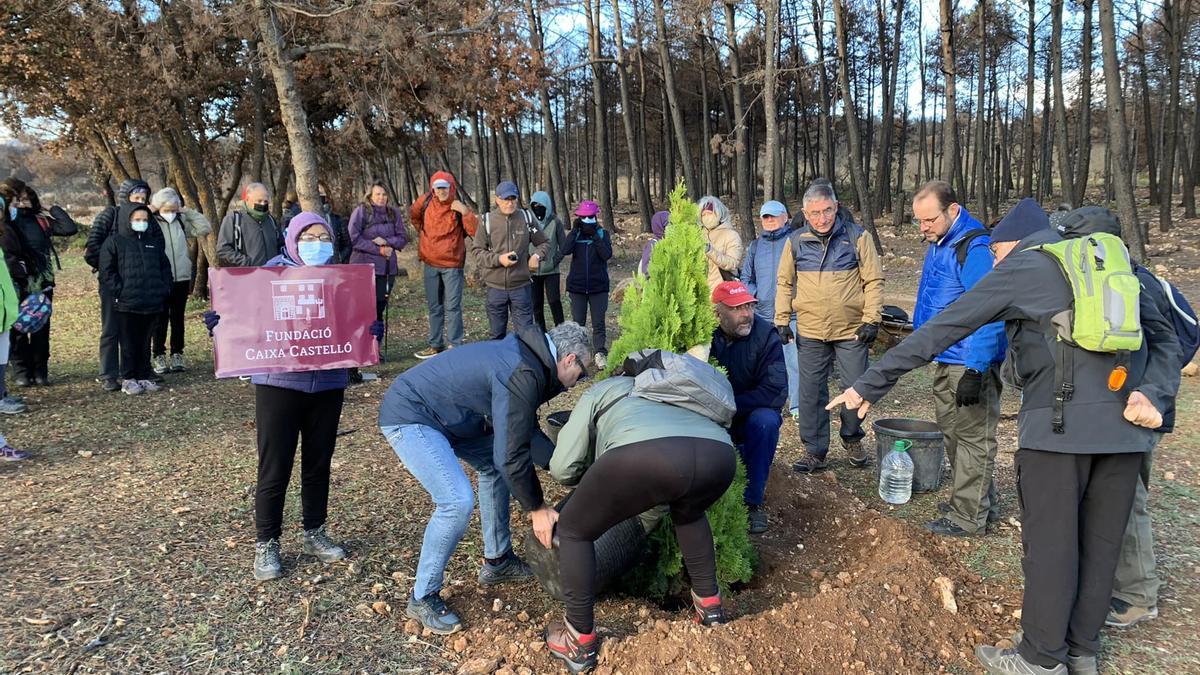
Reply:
x=547, y=290
x=171, y=317
x=133, y=339
x=1074, y=509
x=597, y=303
x=285, y=417
x=30, y=353
x=383, y=290
x=689, y=474
x=110, y=360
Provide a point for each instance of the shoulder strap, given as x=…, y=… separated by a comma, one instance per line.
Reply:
x=424, y=206
x=239, y=243
x=963, y=246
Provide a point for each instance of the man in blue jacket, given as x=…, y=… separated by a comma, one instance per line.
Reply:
x=760, y=271
x=479, y=403
x=966, y=376
x=750, y=351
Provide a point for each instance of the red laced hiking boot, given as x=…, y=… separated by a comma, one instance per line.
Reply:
x=578, y=651
x=708, y=611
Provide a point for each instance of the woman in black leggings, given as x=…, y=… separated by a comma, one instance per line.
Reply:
x=645, y=460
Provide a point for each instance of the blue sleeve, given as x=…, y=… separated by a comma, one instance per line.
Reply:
x=514, y=417
x=986, y=345
x=748, y=270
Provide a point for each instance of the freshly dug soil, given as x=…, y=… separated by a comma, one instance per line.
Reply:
x=840, y=588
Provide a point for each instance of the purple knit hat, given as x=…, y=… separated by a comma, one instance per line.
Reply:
x=301, y=222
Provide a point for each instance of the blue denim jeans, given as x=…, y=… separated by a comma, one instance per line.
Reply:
x=757, y=436
x=443, y=296
x=428, y=456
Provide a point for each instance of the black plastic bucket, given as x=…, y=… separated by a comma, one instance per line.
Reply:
x=555, y=422
x=617, y=551
x=928, y=449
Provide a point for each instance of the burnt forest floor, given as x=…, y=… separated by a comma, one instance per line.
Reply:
x=130, y=537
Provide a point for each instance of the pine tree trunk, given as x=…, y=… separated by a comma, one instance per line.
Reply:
x=635, y=161
x=1147, y=111
x=1131, y=231
x=825, y=103
x=1173, y=12
x=1083, y=152
x=771, y=177
x=950, y=119
x=856, y=172
x=1030, y=81
x=745, y=190
x=980, y=112
x=1066, y=177
x=664, y=55
x=601, y=165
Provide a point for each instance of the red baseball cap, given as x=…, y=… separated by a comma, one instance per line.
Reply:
x=732, y=294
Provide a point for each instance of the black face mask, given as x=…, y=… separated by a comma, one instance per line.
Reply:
x=538, y=210
x=261, y=207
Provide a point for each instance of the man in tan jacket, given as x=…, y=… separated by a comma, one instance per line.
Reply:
x=831, y=278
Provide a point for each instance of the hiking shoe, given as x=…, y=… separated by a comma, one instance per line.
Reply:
x=601, y=360
x=149, y=385
x=317, y=543
x=131, y=387
x=267, y=564
x=109, y=384
x=795, y=415
x=1121, y=614
x=177, y=363
x=998, y=661
x=22, y=381
x=946, y=528
x=428, y=353
x=1077, y=664
x=433, y=614
x=809, y=464
x=992, y=516
x=579, y=651
x=859, y=456
x=42, y=380
x=757, y=518
x=11, y=454
x=511, y=568
x=708, y=611
x=159, y=364
x=9, y=406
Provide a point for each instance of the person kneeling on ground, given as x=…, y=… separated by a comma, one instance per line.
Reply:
x=300, y=406
x=750, y=351
x=479, y=403
x=647, y=454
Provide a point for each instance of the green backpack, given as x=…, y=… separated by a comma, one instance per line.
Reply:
x=1104, y=315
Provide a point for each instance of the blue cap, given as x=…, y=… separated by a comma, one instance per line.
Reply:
x=507, y=190
x=773, y=208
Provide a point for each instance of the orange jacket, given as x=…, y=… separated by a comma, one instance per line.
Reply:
x=441, y=231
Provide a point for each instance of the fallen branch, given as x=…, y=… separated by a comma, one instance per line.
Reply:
x=101, y=581
x=307, y=612
x=98, y=641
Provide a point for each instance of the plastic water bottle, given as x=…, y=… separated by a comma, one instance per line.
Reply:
x=896, y=474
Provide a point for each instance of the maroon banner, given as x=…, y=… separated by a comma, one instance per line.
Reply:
x=289, y=319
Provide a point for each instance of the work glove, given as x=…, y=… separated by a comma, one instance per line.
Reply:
x=867, y=333
x=785, y=333
x=969, y=388
x=211, y=319
x=376, y=329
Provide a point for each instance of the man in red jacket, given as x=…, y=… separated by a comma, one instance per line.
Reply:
x=443, y=223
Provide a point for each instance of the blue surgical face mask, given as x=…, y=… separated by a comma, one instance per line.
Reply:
x=139, y=225
x=315, y=252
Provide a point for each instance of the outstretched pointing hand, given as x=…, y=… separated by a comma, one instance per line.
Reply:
x=852, y=401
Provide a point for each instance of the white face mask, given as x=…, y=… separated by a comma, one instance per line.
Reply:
x=169, y=216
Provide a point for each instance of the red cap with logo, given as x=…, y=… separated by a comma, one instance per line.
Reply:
x=732, y=294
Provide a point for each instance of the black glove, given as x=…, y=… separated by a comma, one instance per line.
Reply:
x=785, y=333
x=867, y=333
x=969, y=387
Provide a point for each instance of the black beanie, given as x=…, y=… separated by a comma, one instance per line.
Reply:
x=1023, y=220
x=1089, y=220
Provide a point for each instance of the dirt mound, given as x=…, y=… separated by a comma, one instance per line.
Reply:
x=840, y=587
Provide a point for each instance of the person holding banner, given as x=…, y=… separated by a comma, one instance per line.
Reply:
x=293, y=408
x=479, y=403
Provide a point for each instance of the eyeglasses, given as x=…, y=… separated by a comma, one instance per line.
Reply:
x=927, y=221
x=323, y=238
x=825, y=213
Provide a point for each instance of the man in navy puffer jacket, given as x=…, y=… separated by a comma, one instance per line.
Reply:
x=966, y=377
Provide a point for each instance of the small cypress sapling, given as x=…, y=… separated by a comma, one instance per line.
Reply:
x=672, y=309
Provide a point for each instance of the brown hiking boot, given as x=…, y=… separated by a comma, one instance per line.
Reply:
x=427, y=353
x=578, y=651
x=809, y=464
x=857, y=453
x=708, y=611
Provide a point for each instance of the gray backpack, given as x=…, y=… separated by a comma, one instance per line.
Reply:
x=681, y=380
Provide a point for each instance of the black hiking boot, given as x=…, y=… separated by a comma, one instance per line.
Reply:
x=434, y=614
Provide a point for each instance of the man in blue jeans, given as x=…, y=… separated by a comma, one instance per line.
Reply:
x=479, y=403
x=750, y=351
x=507, y=247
